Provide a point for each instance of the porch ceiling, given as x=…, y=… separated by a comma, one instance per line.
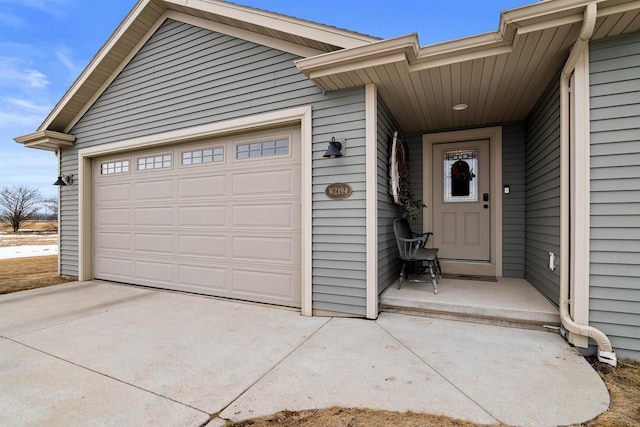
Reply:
x=500, y=75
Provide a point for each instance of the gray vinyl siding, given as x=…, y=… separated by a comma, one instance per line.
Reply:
x=542, y=182
x=187, y=76
x=388, y=261
x=615, y=192
x=513, y=204
x=513, y=214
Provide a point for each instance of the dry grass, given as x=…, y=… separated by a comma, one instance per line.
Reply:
x=19, y=274
x=623, y=383
x=33, y=227
x=350, y=417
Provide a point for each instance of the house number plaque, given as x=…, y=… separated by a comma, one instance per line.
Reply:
x=339, y=190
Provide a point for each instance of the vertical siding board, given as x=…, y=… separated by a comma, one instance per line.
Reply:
x=542, y=187
x=187, y=76
x=388, y=262
x=615, y=176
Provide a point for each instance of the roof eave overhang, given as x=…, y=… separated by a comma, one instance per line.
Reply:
x=74, y=101
x=46, y=140
x=523, y=20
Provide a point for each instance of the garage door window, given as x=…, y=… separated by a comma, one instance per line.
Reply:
x=262, y=149
x=155, y=162
x=208, y=155
x=110, y=168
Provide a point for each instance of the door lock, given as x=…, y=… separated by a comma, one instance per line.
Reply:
x=485, y=197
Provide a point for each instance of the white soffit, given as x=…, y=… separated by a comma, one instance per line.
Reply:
x=500, y=75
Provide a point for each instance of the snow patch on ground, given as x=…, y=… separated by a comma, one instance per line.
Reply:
x=25, y=251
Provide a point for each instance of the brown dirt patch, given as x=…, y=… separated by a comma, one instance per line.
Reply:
x=351, y=417
x=19, y=274
x=623, y=383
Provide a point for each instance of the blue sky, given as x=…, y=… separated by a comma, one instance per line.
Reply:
x=45, y=45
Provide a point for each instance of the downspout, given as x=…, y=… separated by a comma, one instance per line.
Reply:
x=606, y=354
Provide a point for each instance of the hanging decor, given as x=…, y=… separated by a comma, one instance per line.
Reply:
x=398, y=170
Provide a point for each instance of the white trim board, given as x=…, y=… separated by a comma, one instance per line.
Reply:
x=494, y=134
x=371, y=154
x=300, y=115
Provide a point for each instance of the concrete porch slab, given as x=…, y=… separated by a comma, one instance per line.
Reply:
x=354, y=363
x=147, y=359
x=508, y=299
x=520, y=377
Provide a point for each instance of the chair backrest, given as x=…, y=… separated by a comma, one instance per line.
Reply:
x=402, y=231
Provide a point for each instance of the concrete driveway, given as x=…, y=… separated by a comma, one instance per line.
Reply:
x=95, y=353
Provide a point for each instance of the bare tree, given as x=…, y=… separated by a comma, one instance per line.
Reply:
x=17, y=205
x=51, y=204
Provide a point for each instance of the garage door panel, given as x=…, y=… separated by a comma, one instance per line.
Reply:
x=204, y=278
x=202, y=216
x=264, y=284
x=115, y=241
x=229, y=228
x=201, y=187
x=260, y=248
x=153, y=217
x=264, y=216
x=154, y=190
x=113, y=217
x=157, y=272
x=113, y=268
x=113, y=193
x=261, y=184
x=202, y=246
x=155, y=243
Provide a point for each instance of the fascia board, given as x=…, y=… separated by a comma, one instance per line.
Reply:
x=310, y=30
x=102, y=53
x=328, y=63
x=46, y=140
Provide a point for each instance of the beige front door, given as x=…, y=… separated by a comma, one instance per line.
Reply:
x=461, y=201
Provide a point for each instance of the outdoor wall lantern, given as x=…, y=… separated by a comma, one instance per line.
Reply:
x=64, y=180
x=334, y=150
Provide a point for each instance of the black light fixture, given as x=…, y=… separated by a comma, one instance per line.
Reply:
x=334, y=150
x=64, y=180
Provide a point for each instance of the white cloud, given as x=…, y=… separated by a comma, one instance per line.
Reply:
x=15, y=71
x=8, y=19
x=64, y=55
x=55, y=8
x=27, y=105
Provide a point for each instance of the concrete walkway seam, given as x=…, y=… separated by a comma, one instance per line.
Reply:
x=110, y=377
x=272, y=368
x=439, y=373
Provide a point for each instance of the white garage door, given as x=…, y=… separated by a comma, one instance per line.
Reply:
x=219, y=217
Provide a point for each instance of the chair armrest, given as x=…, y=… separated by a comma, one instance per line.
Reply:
x=426, y=239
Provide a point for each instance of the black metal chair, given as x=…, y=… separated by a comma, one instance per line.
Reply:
x=412, y=249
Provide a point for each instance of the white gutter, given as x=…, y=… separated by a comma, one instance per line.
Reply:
x=606, y=354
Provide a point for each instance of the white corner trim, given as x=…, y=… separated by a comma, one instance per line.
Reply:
x=580, y=181
x=371, y=155
x=272, y=42
x=299, y=115
x=494, y=135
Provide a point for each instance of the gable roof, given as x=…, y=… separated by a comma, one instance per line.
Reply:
x=304, y=38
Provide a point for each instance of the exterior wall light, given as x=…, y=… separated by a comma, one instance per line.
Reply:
x=64, y=180
x=334, y=150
